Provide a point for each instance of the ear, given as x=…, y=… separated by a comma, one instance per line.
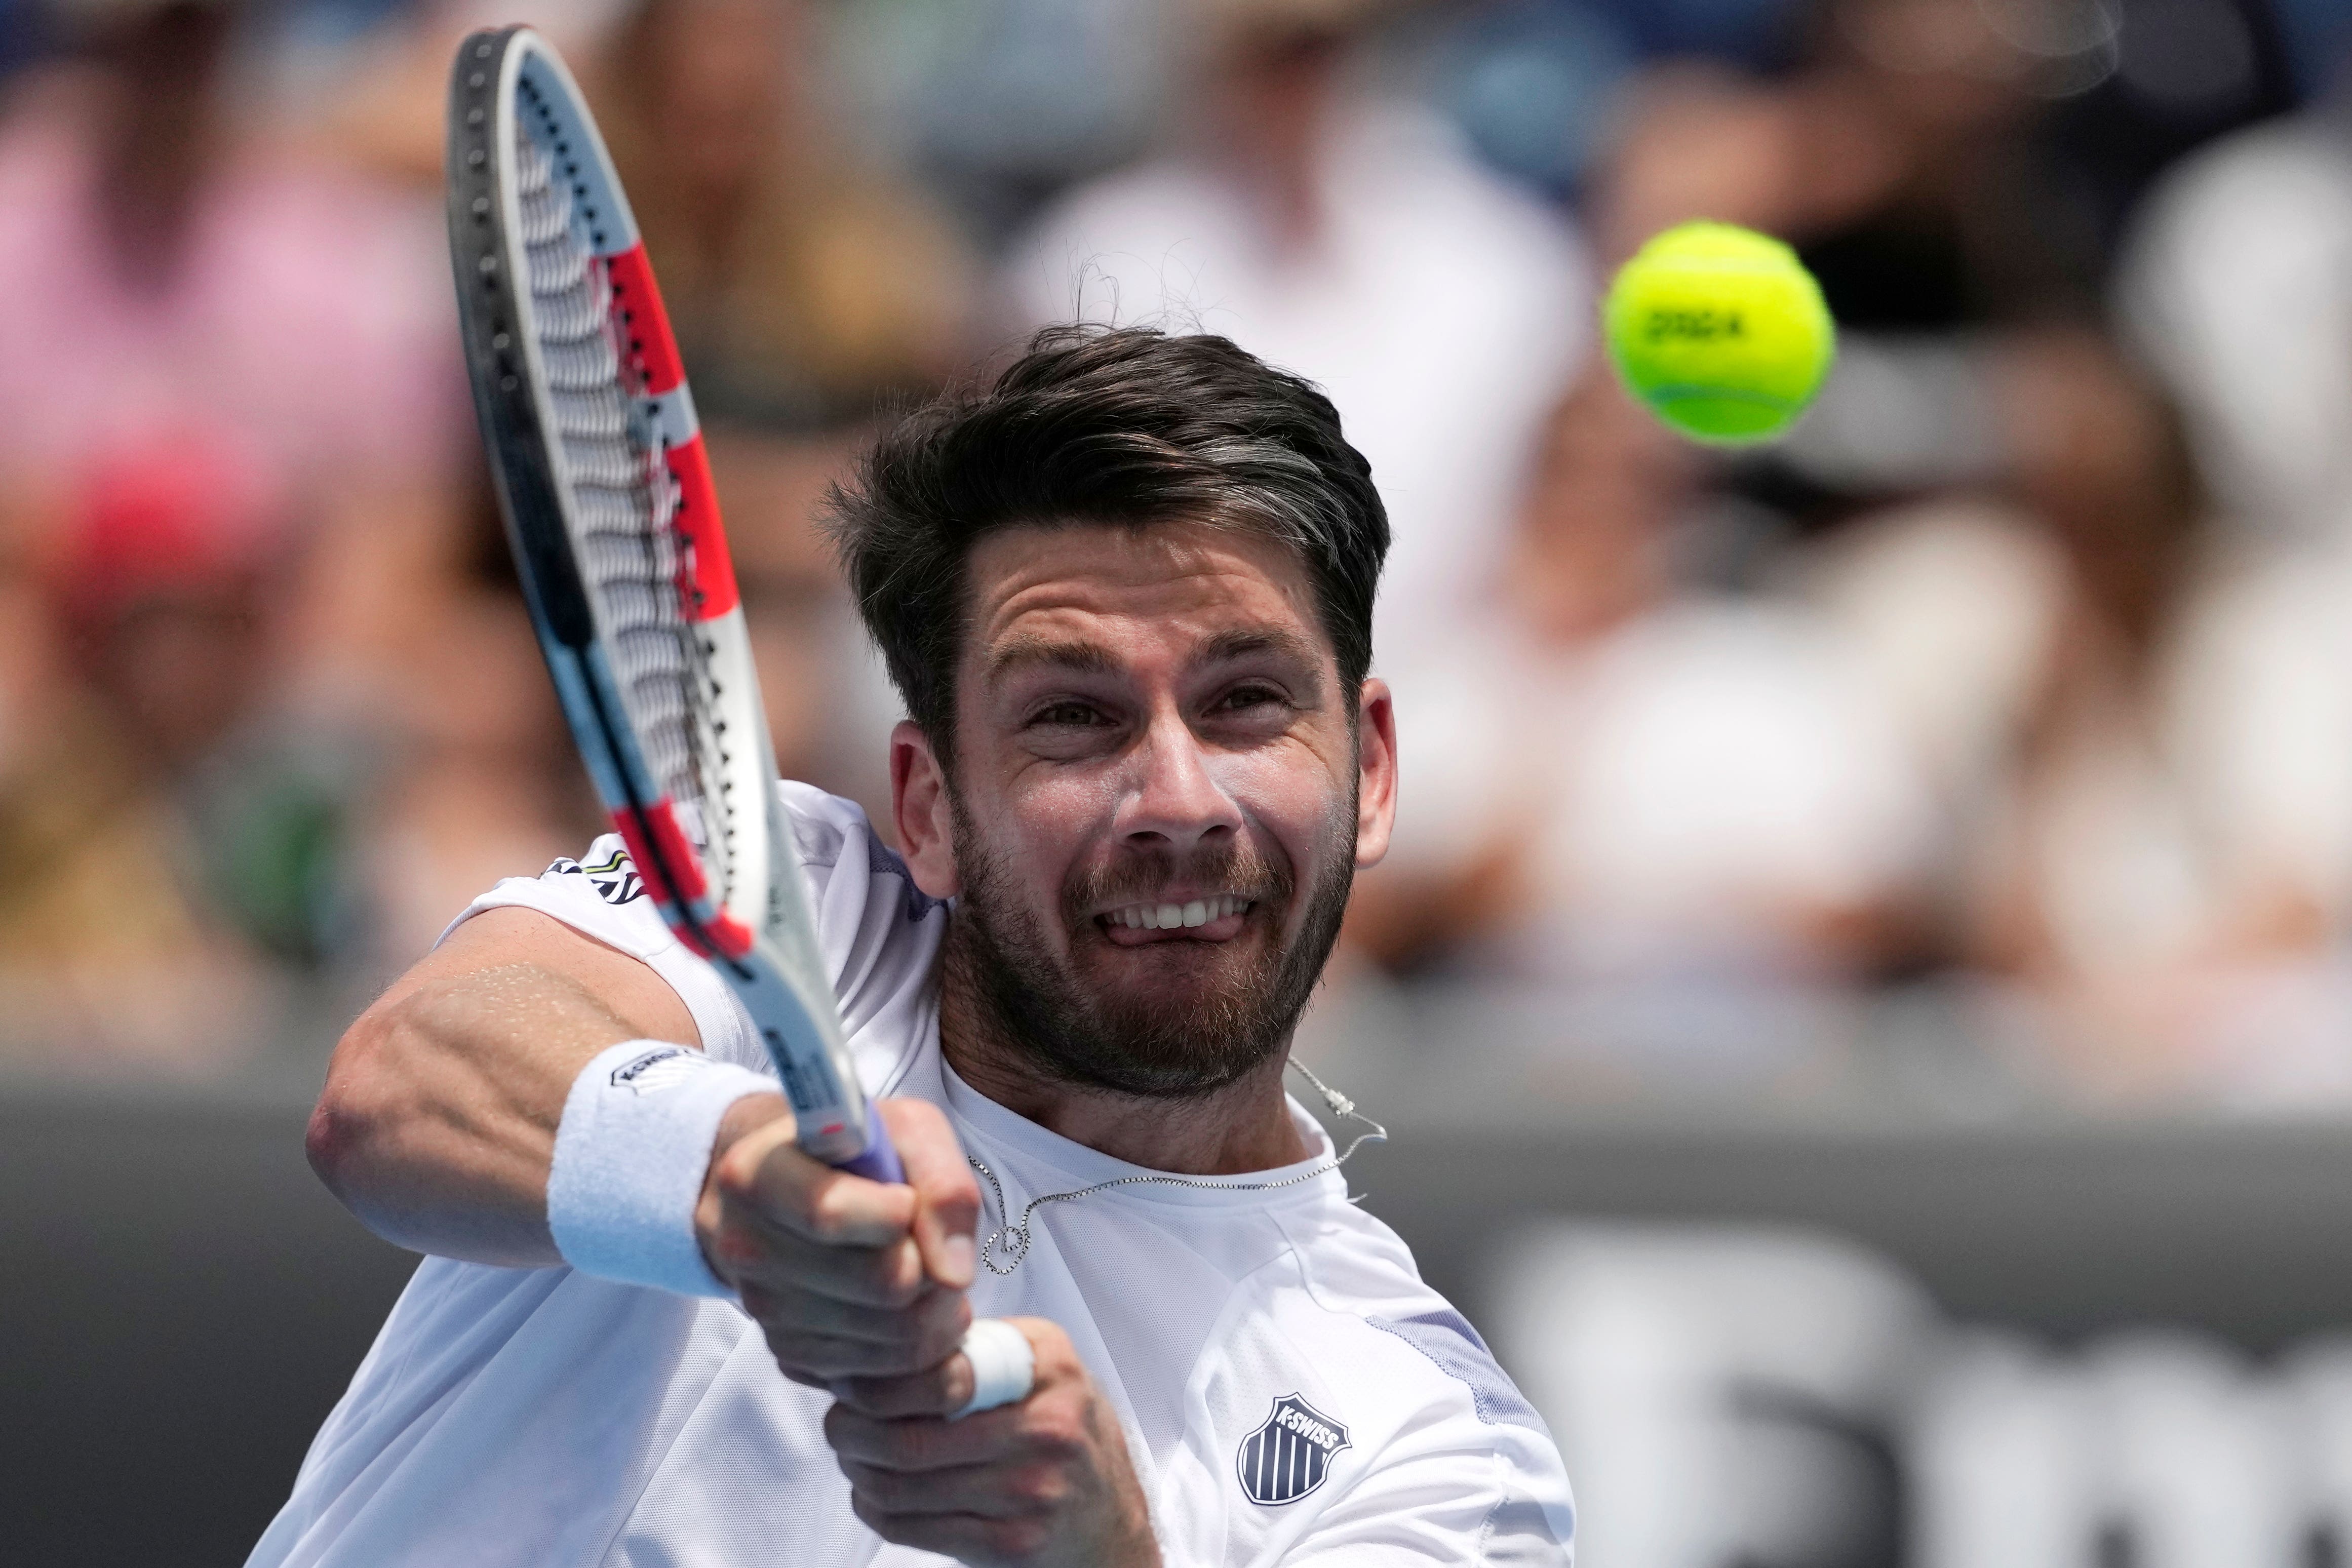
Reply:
x=1376, y=773
x=919, y=810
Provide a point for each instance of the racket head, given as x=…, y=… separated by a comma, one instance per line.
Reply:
x=605, y=484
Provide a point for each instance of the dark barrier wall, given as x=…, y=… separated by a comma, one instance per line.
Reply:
x=180, y=1302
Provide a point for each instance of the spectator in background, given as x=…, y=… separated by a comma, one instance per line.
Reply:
x=2238, y=287
x=2133, y=756
x=1897, y=159
x=810, y=290
x=1347, y=235
x=210, y=304
x=806, y=288
x=1683, y=786
x=174, y=270
x=133, y=654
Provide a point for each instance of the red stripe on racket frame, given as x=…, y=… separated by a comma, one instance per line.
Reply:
x=707, y=571
x=652, y=351
x=664, y=856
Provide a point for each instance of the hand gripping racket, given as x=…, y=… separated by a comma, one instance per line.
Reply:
x=608, y=502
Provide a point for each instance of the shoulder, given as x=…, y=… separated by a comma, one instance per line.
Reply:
x=853, y=877
x=1339, y=1372
x=1359, y=1301
x=879, y=931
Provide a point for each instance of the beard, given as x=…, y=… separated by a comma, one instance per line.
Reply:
x=1196, y=1016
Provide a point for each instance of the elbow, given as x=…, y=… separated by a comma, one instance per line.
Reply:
x=352, y=1121
x=327, y=1143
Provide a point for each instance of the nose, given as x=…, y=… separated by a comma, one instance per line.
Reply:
x=1174, y=803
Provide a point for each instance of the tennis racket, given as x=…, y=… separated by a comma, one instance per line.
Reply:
x=609, y=507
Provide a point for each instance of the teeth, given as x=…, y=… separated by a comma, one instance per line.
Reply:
x=1171, y=917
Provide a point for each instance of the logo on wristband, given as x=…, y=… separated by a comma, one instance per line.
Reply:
x=665, y=1066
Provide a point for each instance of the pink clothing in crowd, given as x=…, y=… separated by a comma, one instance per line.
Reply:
x=307, y=318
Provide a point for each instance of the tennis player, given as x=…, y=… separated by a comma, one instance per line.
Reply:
x=1127, y=595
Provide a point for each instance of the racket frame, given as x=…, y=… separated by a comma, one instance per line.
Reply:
x=761, y=937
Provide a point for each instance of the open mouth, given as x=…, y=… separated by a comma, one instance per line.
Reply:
x=1210, y=920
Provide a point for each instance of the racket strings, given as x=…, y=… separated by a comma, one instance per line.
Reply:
x=624, y=509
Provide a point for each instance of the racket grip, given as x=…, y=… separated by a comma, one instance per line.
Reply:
x=877, y=1161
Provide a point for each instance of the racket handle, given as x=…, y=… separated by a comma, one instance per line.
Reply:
x=877, y=1161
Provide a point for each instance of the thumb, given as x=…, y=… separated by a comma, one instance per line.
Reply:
x=947, y=1199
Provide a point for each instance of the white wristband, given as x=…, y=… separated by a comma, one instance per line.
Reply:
x=1003, y=1366
x=630, y=1157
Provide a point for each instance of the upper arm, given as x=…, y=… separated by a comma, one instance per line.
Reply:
x=510, y=937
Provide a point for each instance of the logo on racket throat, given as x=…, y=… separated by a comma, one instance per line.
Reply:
x=1289, y=1456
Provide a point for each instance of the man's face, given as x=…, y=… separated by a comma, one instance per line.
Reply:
x=1159, y=799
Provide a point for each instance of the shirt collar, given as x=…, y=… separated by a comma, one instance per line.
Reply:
x=1080, y=1166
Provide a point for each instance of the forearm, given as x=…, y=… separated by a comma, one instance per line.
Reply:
x=437, y=1125
x=439, y=1120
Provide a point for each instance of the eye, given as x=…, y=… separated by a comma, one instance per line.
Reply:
x=1247, y=698
x=1067, y=715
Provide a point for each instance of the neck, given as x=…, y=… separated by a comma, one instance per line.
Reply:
x=1244, y=1126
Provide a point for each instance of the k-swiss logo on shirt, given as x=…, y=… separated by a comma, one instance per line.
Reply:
x=1289, y=1456
x=614, y=877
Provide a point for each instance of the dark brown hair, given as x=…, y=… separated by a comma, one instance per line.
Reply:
x=1124, y=428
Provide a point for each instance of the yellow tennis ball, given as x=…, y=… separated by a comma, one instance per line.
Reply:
x=1721, y=331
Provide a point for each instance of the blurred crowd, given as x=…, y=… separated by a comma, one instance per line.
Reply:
x=2020, y=675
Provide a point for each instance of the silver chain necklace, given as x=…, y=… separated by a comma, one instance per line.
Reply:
x=1009, y=1244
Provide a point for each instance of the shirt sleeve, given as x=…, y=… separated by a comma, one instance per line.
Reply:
x=600, y=895
x=1351, y=1418
x=877, y=932
x=1454, y=1491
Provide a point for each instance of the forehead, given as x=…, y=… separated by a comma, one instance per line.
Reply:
x=1163, y=583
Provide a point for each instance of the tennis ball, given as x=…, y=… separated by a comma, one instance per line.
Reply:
x=1721, y=331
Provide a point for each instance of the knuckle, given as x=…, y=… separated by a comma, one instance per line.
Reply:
x=957, y=1196
x=1057, y=1351
x=937, y=1342
x=884, y=1486
x=891, y=1283
x=1058, y=1358
x=735, y=1174
x=911, y=1444
x=739, y=1245
x=826, y=1215
x=875, y=1396
x=1044, y=1488
x=1055, y=1430
x=739, y=1170
x=1016, y=1540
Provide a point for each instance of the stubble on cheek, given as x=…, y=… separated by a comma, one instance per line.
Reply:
x=1166, y=1018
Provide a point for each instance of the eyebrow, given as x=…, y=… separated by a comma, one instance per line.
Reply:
x=1246, y=642
x=1029, y=651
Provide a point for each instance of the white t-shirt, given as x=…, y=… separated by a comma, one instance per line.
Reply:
x=1291, y=1392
